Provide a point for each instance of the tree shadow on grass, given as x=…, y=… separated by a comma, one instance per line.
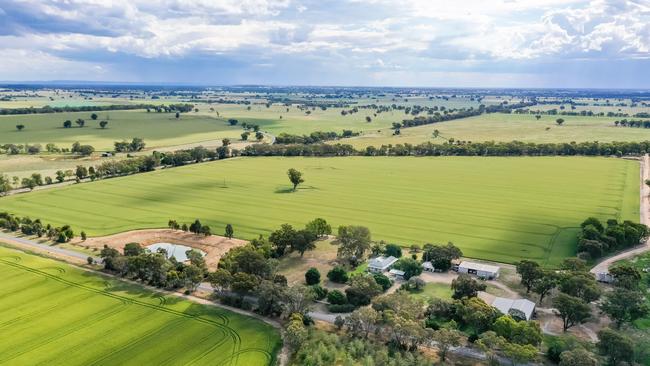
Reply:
x=290, y=190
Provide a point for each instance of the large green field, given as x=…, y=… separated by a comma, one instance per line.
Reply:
x=157, y=129
x=55, y=314
x=508, y=127
x=495, y=208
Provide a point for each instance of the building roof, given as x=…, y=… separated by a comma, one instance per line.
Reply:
x=396, y=272
x=506, y=305
x=427, y=265
x=479, y=266
x=381, y=262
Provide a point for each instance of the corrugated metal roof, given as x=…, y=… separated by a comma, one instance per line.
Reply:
x=479, y=266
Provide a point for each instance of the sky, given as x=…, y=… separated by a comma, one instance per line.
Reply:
x=426, y=43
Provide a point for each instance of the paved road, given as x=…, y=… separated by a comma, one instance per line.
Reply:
x=644, y=218
x=47, y=248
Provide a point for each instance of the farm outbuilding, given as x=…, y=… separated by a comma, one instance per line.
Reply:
x=381, y=264
x=520, y=309
x=479, y=269
x=397, y=273
x=428, y=267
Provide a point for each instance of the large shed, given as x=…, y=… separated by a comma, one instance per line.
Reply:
x=520, y=309
x=479, y=269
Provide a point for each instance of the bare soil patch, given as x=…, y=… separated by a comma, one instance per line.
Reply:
x=214, y=246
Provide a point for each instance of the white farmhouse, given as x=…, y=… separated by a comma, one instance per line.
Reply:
x=381, y=264
x=520, y=309
x=479, y=269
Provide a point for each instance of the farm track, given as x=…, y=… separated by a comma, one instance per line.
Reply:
x=644, y=215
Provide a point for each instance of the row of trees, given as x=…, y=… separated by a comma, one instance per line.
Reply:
x=136, y=144
x=28, y=226
x=457, y=148
x=313, y=138
x=155, y=268
x=98, y=108
x=596, y=239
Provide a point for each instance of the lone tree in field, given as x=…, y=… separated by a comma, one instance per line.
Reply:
x=67, y=124
x=103, y=124
x=537, y=117
x=20, y=127
x=178, y=115
x=229, y=231
x=559, y=121
x=94, y=116
x=80, y=122
x=295, y=177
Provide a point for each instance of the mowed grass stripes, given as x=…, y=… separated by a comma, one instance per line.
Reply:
x=496, y=208
x=55, y=314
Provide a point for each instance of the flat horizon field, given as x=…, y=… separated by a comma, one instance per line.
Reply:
x=157, y=129
x=56, y=314
x=505, y=128
x=494, y=208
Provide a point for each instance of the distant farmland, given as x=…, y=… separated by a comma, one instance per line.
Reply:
x=56, y=314
x=502, y=209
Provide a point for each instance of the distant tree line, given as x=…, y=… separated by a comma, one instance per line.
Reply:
x=114, y=107
x=632, y=123
x=457, y=148
x=312, y=138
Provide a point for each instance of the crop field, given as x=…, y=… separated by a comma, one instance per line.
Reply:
x=157, y=129
x=508, y=127
x=502, y=209
x=55, y=314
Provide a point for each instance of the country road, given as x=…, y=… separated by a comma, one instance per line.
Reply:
x=644, y=212
x=47, y=248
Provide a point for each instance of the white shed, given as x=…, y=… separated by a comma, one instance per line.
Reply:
x=521, y=309
x=479, y=269
x=428, y=267
x=381, y=264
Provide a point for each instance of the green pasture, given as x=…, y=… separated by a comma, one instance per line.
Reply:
x=494, y=208
x=508, y=127
x=157, y=129
x=56, y=314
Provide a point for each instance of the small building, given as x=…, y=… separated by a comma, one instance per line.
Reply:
x=604, y=277
x=520, y=309
x=381, y=264
x=428, y=267
x=479, y=269
x=397, y=273
x=107, y=154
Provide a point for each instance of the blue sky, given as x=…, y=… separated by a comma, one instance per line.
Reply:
x=464, y=43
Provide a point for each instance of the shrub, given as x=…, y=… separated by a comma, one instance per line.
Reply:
x=338, y=274
x=393, y=250
x=312, y=276
x=319, y=292
x=383, y=281
x=344, y=308
x=336, y=297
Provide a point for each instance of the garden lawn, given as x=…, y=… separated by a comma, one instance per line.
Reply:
x=493, y=208
x=55, y=314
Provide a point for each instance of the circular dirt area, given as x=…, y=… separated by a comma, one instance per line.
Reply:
x=214, y=246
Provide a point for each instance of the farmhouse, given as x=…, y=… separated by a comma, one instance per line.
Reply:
x=381, y=264
x=479, y=269
x=521, y=309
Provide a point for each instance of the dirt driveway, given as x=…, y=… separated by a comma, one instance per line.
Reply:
x=214, y=246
